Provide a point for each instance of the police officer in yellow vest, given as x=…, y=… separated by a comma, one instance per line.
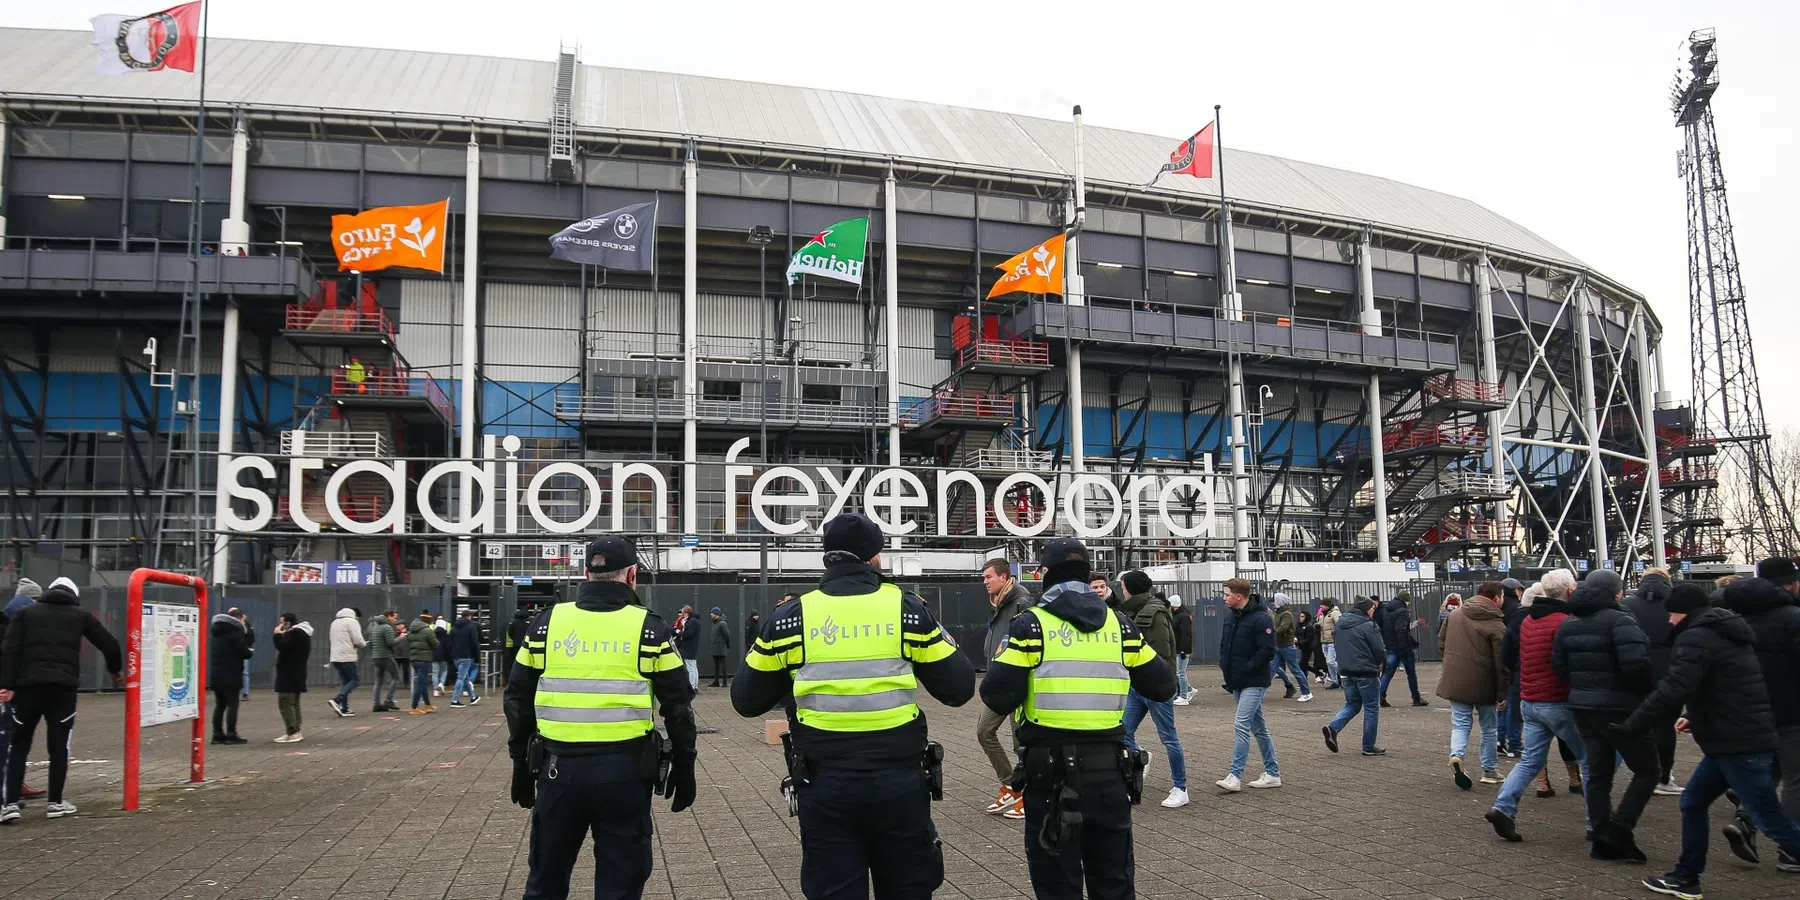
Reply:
x=1064, y=672
x=851, y=656
x=585, y=751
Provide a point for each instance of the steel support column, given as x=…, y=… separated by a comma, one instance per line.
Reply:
x=1490, y=372
x=228, y=398
x=690, y=343
x=890, y=245
x=1591, y=421
x=1371, y=322
x=1647, y=426
x=471, y=429
x=234, y=232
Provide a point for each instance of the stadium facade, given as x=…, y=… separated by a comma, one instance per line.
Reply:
x=1423, y=377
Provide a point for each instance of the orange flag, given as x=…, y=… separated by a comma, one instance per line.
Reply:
x=1038, y=270
x=389, y=236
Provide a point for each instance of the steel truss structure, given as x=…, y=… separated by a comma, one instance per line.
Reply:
x=1728, y=407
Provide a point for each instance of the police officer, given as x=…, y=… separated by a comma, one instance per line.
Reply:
x=1066, y=668
x=583, y=685
x=852, y=655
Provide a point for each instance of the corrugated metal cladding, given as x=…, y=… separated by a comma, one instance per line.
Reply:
x=531, y=332
x=429, y=309
x=458, y=88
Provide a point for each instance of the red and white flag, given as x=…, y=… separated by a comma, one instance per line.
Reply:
x=1194, y=156
x=169, y=39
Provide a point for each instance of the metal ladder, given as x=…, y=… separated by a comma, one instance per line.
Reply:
x=562, y=116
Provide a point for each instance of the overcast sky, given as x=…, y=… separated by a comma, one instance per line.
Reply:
x=1554, y=114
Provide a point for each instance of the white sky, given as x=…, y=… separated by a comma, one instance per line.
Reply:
x=1554, y=114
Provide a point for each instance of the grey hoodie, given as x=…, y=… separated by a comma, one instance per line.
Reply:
x=1016, y=601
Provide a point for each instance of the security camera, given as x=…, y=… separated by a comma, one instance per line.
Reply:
x=150, y=351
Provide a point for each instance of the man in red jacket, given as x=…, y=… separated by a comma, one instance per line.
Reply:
x=1544, y=696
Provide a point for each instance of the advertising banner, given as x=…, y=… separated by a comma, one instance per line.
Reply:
x=334, y=572
x=170, y=674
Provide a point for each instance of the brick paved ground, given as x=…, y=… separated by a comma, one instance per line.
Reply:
x=397, y=807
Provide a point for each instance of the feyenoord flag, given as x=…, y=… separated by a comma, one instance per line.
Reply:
x=1194, y=156
x=1038, y=270
x=837, y=252
x=624, y=239
x=151, y=43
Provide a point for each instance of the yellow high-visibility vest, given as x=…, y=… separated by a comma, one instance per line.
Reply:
x=591, y=691
x=1081, y=682
x=856, y=676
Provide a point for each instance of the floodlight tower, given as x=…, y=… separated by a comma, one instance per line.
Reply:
x=1727, y=394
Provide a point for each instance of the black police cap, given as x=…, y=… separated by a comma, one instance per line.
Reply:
x=1062, y=550
x=610, y=553
x=853, y=533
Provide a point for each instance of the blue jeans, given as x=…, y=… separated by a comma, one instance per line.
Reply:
x=1163, y=714
x=421, y=684
x=1288, y=659
x=1462, y=718
x=1247, y=721
x=1360, y=695
x=347, y=681
x=465, y=678
x=1543, y=721
x=439, y=671
x=1752, y=776
x=246, y=688
x=1409, y=659
x=1512, y=722
x=1182, y=685
x=1331, y=664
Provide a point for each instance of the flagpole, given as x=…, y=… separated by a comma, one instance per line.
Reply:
x=1233, y=306
x=656, y=525
x=191, y=302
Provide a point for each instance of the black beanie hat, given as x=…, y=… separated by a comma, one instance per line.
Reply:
x=1136, y=582
x=1686, y=597
x=852, y=533
x=1778, y=569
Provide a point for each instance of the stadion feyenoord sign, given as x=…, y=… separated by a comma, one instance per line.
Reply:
x=1179, y=505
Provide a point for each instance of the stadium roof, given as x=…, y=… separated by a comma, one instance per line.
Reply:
x=45, y=64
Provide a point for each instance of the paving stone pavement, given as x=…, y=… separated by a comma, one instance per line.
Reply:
x=409, y=808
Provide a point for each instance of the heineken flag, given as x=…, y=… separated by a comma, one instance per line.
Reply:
x=837, y=252
x=624, y=239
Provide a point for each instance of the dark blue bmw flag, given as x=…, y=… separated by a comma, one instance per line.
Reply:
x=623, y=239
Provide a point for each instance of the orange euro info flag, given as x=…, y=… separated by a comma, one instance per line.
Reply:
x=389, y=236
x=1038, y=270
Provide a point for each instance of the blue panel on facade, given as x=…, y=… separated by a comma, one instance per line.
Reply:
x=524, y=408
x=1165, y=439
x=98, y=401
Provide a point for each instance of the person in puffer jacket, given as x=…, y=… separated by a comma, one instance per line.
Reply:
x=1646, y=606
x=1544, y=696
x=346, y=638
x=1715, y=675
x=1603, y=653
x=1775, y=617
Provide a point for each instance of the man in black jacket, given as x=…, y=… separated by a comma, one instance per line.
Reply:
x=1184, y=648
x=1008, y=598
x=1646, y=606
x=1774, y=616
x=1604, y=655
x=40, y=670
x=1246, y=648
x=1714, y=673
x=465, y=654
x=293, y=648
x=1396, y=620
x=227, y=648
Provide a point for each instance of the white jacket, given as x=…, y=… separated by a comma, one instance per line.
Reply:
x=346, y=636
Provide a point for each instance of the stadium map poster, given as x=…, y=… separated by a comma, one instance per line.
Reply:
x=171, y=689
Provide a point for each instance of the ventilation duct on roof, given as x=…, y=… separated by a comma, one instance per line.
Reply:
x=562, y=116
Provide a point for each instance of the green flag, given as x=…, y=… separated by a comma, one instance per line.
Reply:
x=837, y=252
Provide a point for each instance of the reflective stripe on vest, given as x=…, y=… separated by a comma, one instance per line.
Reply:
x=1081, y=682
x=855, y=677
x=591, y=691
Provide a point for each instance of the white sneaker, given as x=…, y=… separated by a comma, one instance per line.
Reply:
x=1231, y=784
x=1177, y=798
x=1267, y=781
x=58, y=810
x=1179, y=701
x=1669, y=789
x=9, y=814
x=1304, y=698
x=284, y=739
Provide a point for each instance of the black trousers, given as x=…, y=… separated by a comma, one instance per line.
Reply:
x=55, y=706
x=225, y=710
x=1103, y=859
x=1640, y=757
x=718, y=671
x=1664, y=732
x=574, y=799
x=859, y=826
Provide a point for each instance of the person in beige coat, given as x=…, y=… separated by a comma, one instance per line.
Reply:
x=1474, y=680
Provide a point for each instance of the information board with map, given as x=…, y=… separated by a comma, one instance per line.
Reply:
x=169, y=669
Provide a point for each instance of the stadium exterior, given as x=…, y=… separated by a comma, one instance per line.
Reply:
x=1424, y=378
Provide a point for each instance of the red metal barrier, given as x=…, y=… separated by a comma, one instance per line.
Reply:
x=345, y=321
x=1405, y=437
x=1018, y=353
x=1450, y=387
x=134, y=655
x=392, y=383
